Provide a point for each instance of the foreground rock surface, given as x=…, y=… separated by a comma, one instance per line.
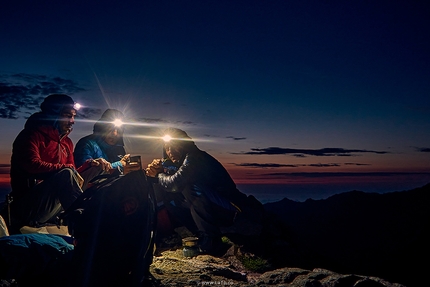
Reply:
x=171, y=268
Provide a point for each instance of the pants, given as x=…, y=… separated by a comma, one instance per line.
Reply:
x=196, y=211
x=46, y=199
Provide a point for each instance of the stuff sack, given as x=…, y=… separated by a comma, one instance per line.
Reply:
x=113, y=224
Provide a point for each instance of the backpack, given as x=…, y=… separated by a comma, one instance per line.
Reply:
x=113, y=225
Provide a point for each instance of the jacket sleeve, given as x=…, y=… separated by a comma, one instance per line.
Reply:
x=116, y=164
x=176, y=181
x=82, y=152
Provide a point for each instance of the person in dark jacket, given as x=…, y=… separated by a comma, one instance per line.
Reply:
x=196, y=188
x=106, y=143
x=43, y=176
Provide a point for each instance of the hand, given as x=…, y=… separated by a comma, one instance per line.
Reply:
x=154, y=168
x=125, y=159
x=105, y=165
x=131, y=166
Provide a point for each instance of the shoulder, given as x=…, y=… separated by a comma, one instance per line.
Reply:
x=39, y=132
x=193, y=160
x=86, y=138
x=36, y=121
x=89, y=140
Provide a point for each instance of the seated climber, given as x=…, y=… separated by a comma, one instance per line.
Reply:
x=43, y=176
x=104, y=146
x=195, y=188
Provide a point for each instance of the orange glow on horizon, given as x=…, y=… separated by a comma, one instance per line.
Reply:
x=4, y=181
x=302, y=177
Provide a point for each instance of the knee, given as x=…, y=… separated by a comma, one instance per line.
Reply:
x=67, y=170
x=66, y=174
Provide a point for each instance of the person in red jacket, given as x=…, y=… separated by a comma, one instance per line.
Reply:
x=43, y=176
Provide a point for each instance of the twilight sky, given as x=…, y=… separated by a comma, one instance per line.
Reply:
x=290, y=92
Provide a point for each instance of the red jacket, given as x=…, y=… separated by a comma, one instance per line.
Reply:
x=37, y=153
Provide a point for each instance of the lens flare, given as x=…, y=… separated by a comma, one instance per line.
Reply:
x=118, y=122
x=167, y=138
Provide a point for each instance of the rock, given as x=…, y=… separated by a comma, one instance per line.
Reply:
x=173, y=269
x=8, y=283
x=322, y=243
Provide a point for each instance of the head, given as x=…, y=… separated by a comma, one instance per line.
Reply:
x=178, y=145
x=61, y=110
x=109, y=127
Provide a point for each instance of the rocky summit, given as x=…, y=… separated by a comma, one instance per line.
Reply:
x=171, y=268
x=349, y=239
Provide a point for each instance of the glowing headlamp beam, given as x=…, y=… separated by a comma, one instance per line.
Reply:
x=167, y=138
x=117, y=122
x=164, y=138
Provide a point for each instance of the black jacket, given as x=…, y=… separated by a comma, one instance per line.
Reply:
x=203, y=173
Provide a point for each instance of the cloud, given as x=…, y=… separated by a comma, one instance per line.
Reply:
x=423, y=149
x=160, y=121
x=88, y=113
x=4, y=168
x=152, y=120
x=278, y=165
x=358, y=164
x=236, y=138
x=267, y=165
x=186, y=122
x=340, y=174
x=299, y=155
x=21, y=94
x=312, y=152
x=323, y=164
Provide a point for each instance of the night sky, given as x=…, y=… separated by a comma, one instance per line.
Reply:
x=285, y=92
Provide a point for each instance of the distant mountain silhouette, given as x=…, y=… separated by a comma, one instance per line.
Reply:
x=384, y=235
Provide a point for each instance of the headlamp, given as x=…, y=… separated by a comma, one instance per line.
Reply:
x=167, y=138
x=117, y=122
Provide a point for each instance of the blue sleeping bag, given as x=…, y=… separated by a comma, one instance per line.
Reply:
x=34, y=257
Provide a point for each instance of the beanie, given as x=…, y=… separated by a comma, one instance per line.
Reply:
x=55, y=103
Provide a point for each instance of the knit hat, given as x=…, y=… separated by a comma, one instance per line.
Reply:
x=54, y=104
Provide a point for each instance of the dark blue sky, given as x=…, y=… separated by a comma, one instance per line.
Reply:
x=273, y=89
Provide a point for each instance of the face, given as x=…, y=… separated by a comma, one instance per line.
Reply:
x=112, y=137
x=66, y=121
x=173, y=152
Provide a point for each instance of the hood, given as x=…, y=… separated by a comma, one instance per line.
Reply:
x=42, y=123
x=105, y=124
x=181, y=139
x=39, y=119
